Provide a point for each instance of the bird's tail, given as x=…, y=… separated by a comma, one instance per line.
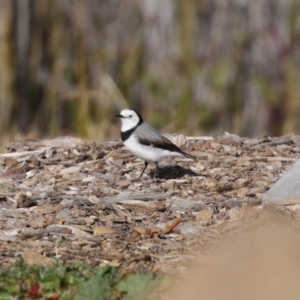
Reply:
x=189, y=156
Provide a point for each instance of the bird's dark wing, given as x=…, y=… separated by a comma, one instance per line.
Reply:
x=162, y=143
x=149, y=136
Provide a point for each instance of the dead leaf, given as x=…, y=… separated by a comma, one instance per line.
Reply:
x=140, y=230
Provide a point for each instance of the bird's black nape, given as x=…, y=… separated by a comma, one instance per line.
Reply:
x=140, y=117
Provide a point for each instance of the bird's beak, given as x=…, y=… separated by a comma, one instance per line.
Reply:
x=119, y=116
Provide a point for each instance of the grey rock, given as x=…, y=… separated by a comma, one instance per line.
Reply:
x=287, y=187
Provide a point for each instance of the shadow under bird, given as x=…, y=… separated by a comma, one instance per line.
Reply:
x=146, y=142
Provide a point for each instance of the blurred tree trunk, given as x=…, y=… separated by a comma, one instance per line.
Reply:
x=22, y=39
x=6, y=66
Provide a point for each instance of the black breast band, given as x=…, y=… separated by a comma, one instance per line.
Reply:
x=126, y=134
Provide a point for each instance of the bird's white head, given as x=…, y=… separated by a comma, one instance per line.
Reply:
x=130, y=119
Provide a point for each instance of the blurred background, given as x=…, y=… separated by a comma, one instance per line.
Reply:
x=192, y=67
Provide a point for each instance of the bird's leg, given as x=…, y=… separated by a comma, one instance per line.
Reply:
x=156, y=167
x=146, y=165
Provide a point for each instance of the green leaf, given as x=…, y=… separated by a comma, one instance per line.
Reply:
x=137, y=286
x=94, y=289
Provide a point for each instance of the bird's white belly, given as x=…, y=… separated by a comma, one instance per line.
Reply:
x=147, y=153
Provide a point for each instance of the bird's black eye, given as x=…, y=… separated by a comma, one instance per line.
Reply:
x=130, y=116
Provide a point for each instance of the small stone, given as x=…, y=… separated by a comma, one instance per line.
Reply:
x=70, y=170
x=88, y=179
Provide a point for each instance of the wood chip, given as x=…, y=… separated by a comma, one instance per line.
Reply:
x=74, y=199
x=171, y=226
x=98, y=230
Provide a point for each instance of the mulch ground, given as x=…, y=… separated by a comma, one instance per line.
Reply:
x=76, y=201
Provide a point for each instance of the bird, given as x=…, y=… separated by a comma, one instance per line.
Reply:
x=145, y=142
